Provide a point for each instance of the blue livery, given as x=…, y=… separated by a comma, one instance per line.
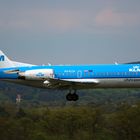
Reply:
x=2, y=58
x=70, y=77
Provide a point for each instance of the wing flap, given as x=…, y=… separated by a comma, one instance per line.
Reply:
x=67, y=83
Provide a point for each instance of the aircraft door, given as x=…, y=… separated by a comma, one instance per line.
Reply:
x=79, y=74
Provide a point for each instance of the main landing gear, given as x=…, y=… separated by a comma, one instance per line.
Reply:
x=72, y=96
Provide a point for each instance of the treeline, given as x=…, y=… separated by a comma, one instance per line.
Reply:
x=103, y=114
x=70, y=123
x=35, y=97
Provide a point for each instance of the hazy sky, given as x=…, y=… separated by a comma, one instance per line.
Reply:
x=70, y=31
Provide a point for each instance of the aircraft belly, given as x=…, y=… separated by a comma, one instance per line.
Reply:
x=102, y=83
x=119, y=83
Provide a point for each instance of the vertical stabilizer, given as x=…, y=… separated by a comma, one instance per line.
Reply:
x=5, y=62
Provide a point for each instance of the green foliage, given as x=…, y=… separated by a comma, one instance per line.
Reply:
x=125, y=123
x=66, y=123
x=34, y=97
x=109, y=114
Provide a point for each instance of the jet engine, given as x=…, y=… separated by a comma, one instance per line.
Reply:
x=39, y=74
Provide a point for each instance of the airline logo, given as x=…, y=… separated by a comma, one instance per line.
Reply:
x=135, y=69
x=2, y=58
x=40, y=74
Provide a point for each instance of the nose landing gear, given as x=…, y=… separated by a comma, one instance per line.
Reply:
x=72, y=96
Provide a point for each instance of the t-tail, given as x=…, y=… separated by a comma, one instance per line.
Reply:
x=5, y=62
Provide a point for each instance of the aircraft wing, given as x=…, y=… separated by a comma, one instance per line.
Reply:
x=70, y=83
x=56, y=83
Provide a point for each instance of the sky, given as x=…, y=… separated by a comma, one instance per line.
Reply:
x=70, y=31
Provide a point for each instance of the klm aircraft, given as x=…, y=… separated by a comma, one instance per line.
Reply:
x=70, y=77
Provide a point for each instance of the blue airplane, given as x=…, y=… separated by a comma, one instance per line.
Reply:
x=70, y=77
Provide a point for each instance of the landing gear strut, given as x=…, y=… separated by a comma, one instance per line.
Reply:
x=72, y=96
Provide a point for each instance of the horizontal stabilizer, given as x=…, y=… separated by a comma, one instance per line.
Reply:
x=137, y=62
x=11, y=71
x=5, y=62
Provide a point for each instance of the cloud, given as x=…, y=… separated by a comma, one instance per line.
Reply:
x=65, y=20
x=14, y=20
x=108, y=18
x=15, y=24
x=60, y=19
x=48, y=19
x=112, y=18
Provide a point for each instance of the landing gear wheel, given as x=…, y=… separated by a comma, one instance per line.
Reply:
x=75, y=97
x=72, y=97
x=69, y=97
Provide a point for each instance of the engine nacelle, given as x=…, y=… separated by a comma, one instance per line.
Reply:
x=39, y=74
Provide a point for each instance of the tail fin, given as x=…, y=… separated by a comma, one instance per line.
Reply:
x=5, y=62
